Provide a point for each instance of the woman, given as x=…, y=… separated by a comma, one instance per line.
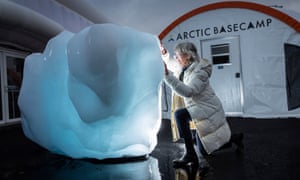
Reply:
x=201, y=105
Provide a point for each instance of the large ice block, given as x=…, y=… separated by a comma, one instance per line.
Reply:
x=94, y=94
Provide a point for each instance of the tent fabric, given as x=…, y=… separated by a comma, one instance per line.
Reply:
x=291, y=21
x=262, y=78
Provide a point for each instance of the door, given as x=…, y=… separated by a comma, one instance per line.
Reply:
x=11, y=78
x=224, y=53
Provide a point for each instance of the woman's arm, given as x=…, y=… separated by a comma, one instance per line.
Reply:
x=170, y=62
x=196, y=84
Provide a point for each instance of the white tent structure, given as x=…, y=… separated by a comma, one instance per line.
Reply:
x=255, y=51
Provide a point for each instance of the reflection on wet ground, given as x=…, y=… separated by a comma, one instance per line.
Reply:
x=271, y=152
x=189, y=173
x=65, y=168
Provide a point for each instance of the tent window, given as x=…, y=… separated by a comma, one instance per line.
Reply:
x=292, y=64
x=220, y=54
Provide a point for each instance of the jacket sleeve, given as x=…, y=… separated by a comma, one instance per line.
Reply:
x=195, y=85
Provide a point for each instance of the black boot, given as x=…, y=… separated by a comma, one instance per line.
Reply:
x=190, y=156
x=237, y=139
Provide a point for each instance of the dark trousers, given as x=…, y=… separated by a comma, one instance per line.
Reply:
x=183, y=118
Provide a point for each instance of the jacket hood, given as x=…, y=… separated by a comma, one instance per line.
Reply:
x=206, y=66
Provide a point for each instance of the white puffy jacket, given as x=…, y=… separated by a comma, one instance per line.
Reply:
x=203, y=105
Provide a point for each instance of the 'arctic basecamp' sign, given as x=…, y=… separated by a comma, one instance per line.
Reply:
x=228, y=28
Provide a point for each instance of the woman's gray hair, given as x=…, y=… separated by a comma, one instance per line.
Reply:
x=187, y=48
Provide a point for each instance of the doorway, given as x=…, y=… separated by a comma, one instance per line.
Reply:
x=226, y=79
x=11, y=75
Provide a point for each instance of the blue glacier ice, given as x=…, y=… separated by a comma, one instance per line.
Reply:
x=94, y=94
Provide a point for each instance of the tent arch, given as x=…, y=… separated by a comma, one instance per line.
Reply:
x=293, y=23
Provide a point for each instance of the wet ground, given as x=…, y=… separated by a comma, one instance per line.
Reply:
x=271, y=152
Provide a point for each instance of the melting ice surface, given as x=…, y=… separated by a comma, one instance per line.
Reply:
x=94, y=94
